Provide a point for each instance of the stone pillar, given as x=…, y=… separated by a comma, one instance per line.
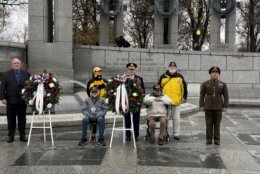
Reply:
x=104, y=30
x=230, y=33
x=119, y=24
x=231, y=30
x=158, y=30
x=172, y=35
x=56, y=56
x=173, y=30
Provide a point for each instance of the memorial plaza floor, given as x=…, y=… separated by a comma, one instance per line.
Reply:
x=239, y=152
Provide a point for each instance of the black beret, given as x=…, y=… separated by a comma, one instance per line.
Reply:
x=131, y=66
x=172, y=64
x=214, y=69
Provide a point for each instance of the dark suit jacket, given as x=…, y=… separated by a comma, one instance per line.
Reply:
x=214, y=95
x=9, y=89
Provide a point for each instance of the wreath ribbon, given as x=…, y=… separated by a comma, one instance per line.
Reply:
x=39, y=98
x=121, y=95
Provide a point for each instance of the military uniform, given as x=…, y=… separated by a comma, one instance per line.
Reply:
x=213, y=98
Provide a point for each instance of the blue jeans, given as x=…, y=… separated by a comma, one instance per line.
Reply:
x=100, y=122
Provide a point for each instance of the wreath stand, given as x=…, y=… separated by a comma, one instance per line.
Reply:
x=41, y=127
x=123, y=129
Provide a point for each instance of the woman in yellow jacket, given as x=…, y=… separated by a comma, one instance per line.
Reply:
x=174, y=86
x=100, y=82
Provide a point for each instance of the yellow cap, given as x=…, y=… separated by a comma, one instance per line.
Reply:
x=96, y=69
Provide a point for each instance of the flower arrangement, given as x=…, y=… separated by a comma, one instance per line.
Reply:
x=134, y=91
x=51, y=91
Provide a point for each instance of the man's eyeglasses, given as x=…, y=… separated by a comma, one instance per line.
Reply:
x=94, y=92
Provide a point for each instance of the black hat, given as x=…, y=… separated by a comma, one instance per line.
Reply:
x=94, y=88
x=157, y=87
x=131, y=66
x=214, y=69
x=172, y=64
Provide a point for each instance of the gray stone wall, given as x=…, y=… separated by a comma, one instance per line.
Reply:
x=241, y=71
x=7, y=51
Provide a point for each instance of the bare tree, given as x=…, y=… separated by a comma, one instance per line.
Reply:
x=194, y=21
x=85, y=22
x=139, y=22
x=248, y=26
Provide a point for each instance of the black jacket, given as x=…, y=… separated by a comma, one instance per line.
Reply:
x=9, y=89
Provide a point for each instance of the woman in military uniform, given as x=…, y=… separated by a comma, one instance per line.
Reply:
x=213, y=101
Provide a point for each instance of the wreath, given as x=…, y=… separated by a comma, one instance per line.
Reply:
x=221, y=12
x=124, y=95
x=173, y=8
x=109, y=13
x=41, y=92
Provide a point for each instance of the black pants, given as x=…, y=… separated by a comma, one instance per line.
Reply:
x=136, y=121
x=13, y=110
x=213, y=119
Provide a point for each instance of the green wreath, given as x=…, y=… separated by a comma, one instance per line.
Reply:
x=173, y=8
x=223, y=13
x=109, y=13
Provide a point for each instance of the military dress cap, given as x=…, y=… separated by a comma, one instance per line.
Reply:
x=131, y=66
x=157, y=87
x=96, y=69
x=172, y=64
x=94, y=88
x=214, y=69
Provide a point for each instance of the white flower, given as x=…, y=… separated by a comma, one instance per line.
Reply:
x=51, y=85
x=23, y=90
x=110, y=80
x=49, y=105
x=114, y=93
x=54, y=79
x=112, y=90
x=134, y=84
x=30, y=102
x=106, y=100
x=135, y=94
x=31, y=78
x=34, y=93
x=49, y=94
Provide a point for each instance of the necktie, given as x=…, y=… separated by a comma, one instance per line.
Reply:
x=17, y=75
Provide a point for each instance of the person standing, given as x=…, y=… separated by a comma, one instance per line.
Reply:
x=10, y=95
x=98, y=81
x=136, y=115
x=174, y=86
x=213, y=101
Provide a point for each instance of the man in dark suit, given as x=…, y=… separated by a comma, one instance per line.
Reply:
x=10, y=95
x=136, y=116
x=212, y=93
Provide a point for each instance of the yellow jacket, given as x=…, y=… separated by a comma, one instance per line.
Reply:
x=101, y=84
x=174, y=86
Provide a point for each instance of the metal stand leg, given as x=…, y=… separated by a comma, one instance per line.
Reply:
x=44, y=131
x=124, y=130
x=132, y=128
x=52, y=142
x=30, y=133
x=113, y=129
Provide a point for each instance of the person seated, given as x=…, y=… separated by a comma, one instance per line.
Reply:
x=156, y=111
x=94, y=111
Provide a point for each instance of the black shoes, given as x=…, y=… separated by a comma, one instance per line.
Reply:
x=176, y=137
x=23, y=139
x=101, y=142
x=83, y=141
x=217, y=142
x=208, y=142
x=10, y=140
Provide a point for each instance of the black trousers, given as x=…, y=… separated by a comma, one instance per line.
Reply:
x=213, y=119
x=14, y=110
x=136, y=121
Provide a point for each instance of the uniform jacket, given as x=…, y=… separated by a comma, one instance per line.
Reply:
x=174, y=86
x=214, y=95
x=94, y=107
x=157, y=108
x=10, y=89
x=101, y=83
